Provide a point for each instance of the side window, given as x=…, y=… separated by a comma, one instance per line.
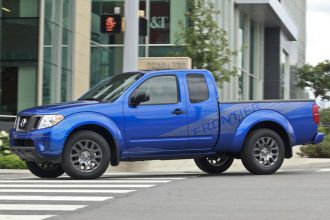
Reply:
x=160, y=89
x=197, y=88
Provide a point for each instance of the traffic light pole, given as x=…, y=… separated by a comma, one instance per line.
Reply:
x=131, y=36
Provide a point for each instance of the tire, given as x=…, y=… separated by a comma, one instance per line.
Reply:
x=215, y=164
x=86, y=155
x=45, y=170
x=264, y=152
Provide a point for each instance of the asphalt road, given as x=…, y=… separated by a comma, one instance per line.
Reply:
x=292, y=193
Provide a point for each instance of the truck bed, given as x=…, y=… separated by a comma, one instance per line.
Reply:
x=295, y=115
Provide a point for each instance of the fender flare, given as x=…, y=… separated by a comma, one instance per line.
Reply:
x=259, y=117
x=77, y=120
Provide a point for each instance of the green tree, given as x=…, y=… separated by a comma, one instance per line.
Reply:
x=205, y=42
x=316, y=77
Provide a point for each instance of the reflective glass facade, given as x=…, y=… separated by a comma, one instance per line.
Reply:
x=19, y=30
x=52, y=51
x=57, y=46
x=107, y=49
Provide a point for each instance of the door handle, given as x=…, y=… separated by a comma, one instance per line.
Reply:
x=177, y=112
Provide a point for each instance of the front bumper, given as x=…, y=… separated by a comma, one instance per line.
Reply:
x=38, y=146
x=319, y=137
x=30, y=154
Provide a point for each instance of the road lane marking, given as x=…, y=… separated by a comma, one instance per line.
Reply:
x=56, y=198
x=84, y=191
x=85, y=181
x=25, y=217
x=39, y=207
x=291, y=170
x=323, y=170
x=73, y=186
x=65, y=190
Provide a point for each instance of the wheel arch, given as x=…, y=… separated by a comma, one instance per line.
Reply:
x=105, y=134
x=279, y=130
x=100, y=124
x=266, y=119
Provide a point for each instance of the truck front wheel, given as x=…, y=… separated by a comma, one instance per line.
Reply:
x=215, y=164
x=86, y=155
x=45, y=170
x=263, y=152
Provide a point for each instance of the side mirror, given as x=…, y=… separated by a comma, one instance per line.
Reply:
x=139, y=98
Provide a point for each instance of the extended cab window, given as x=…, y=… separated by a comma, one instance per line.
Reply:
x=160, y=89
x=197, y=88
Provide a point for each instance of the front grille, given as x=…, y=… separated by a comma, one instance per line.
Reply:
x=23, y=143
x=27, y=123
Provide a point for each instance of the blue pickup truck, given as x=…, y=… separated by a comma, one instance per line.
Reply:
x=161, y=115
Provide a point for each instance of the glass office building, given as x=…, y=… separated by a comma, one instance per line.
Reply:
x=53, y=51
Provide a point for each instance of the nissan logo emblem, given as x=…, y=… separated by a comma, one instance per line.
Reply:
x=23, y=123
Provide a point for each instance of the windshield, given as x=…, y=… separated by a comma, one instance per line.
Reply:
x=110, y=89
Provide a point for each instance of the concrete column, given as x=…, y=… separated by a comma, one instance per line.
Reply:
x=131, y=37
x=81, y=48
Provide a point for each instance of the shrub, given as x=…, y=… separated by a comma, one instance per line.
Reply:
x=7, y=160
x=11, y=162
x=321, y=150
x=325, y=119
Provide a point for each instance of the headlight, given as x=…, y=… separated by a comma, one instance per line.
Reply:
x=50, y=120
x=16, y=122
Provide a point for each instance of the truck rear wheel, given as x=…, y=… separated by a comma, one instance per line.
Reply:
x=45, y=170
x=263, y=152
x=86, y=155
x=215, y=164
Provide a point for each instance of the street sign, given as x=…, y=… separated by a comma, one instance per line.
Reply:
x=162, y=63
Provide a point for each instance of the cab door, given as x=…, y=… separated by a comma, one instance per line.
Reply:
x=158, y=124
x=203, y=110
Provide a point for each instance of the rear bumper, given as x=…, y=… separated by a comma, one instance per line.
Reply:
x=318, y=138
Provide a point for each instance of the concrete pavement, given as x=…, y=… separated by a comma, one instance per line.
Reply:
x=289, y=194
x=171, y=190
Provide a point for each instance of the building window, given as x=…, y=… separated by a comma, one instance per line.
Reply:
x=159, y=22
x=107, y=49
x=241, y=57
x=285, y=76
x=19, y=31
x=57, y=60
x=20, y=8
x=252, y=61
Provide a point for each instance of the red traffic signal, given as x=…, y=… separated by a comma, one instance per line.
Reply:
x=111, y=23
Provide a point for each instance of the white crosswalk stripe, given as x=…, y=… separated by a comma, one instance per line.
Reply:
x=84, y=191
x=323, y=170
x=85, y=181
x=40, y=207
x=39, y=199
x=25, y=217
x=71, y=185
x=56, y=198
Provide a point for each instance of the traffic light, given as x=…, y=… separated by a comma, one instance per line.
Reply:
x=111, y=24
x=114, y=24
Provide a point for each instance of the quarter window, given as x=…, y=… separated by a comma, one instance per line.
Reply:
x=160, y=89
x=197, y=88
